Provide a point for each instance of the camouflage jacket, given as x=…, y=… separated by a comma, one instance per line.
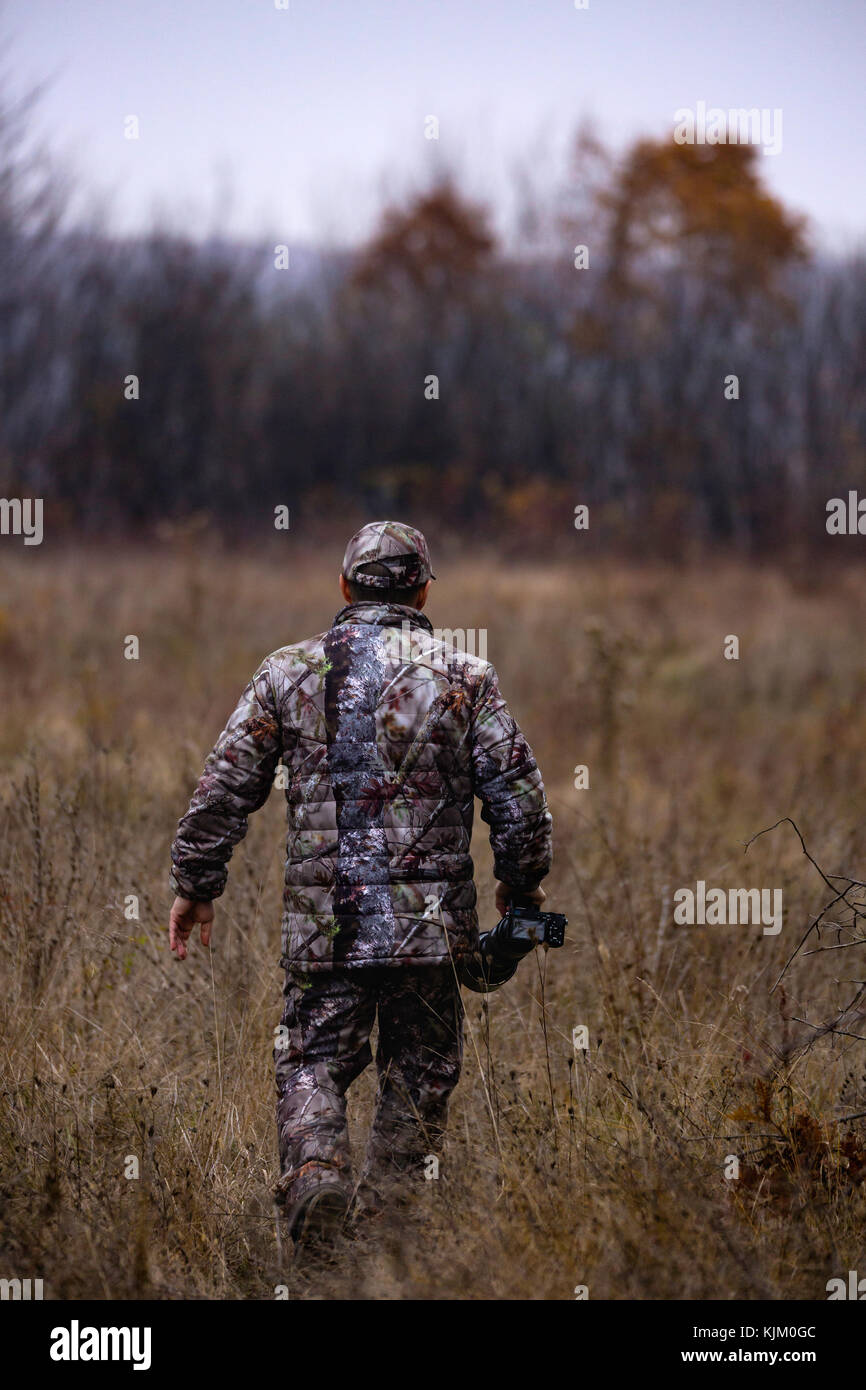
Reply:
x=381, y=736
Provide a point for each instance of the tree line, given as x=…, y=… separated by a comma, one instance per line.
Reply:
x=671, y=354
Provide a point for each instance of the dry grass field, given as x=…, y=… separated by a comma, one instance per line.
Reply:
x=602, y=1167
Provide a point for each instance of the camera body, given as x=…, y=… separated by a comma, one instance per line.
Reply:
x=520, y=929
x=501, y=949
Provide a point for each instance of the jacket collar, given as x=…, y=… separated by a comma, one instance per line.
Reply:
x=382, y=615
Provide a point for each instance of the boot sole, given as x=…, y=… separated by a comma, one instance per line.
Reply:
x=323, y=1218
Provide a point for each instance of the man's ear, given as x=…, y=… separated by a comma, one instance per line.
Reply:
x=344, y=589
x=422, y=596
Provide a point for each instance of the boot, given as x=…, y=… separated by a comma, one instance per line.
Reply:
x=318, y=1214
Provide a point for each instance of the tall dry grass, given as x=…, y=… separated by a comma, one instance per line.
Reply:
x=602, y=1168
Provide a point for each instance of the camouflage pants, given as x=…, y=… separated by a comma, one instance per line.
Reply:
x=324, y=1045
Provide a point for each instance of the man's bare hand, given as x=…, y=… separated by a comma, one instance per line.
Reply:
x=184, y=915
x=504, y=894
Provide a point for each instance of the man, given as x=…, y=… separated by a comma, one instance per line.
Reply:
x=387, y=734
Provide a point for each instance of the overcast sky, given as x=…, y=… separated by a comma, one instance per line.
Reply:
x=310, y=114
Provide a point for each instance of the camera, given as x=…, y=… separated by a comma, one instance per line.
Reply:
x=502, y=948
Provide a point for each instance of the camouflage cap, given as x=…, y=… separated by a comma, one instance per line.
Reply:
x=387, y=555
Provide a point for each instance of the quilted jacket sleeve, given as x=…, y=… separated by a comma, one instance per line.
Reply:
x=237, y=777
x=507, y=779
